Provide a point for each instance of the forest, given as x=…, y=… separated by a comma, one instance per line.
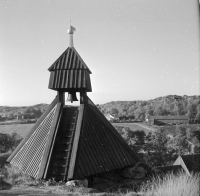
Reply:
x=170, y=105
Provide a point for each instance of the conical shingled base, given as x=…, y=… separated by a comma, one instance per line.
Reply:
x=72, y=143
x=100, y=148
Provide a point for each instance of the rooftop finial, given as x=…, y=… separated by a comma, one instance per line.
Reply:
x=71, y=29
x=71, y=32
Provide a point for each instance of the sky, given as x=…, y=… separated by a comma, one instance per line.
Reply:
x=136, y=49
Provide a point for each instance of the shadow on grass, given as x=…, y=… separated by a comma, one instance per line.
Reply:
x=4, y=185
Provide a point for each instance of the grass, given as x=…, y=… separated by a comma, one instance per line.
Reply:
x=13, y=175
x=20, y=129
x=173, y=185
x=169, y=185
x=132, y=126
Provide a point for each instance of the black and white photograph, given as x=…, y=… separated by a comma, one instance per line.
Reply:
x=100, y=97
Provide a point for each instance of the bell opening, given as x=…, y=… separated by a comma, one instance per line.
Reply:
x=72, y=97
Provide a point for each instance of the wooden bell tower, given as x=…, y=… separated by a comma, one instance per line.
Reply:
x=71, y=142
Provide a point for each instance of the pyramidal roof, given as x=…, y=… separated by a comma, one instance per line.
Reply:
x=192, y=161
x=72, y=143
x=69, y=60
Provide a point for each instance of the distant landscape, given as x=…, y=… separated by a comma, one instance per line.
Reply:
x=155, y=145
x=137, y=132
x=170, y=105
x=20, y=119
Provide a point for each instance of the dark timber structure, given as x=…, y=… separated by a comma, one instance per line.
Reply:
x=190, y=163
x=161, y=120
x=71, y=142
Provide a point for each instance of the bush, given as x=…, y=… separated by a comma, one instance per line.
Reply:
x=173, y=185
x=14, y=176
x=8, y=142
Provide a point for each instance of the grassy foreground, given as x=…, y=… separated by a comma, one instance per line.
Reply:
x=169, y=185
x=173, y=185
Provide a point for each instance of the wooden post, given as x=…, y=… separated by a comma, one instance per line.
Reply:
x=61, y=97
x=83, y=97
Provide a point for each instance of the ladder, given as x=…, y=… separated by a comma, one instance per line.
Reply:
x=60, y=158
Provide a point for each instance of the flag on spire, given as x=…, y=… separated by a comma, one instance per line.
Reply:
x=71, y=29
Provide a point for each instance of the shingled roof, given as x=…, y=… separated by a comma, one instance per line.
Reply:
x=70, y=72
x=69, y=59
x=190, y=162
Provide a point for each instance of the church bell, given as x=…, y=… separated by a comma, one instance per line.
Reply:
x=72, y=97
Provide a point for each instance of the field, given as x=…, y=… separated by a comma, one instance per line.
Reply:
x=23, y=129
x=20, y=129
x=135, y=127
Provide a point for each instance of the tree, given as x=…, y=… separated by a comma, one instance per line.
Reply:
x=149, y=110
x=191, y=110
x=131, y=110
x=180, y=143
x=136, y=140
x=10, y=115
x=156, y=151
x=114, y=111
x=158, y=111
x=198, y=114
x=139, y=112
x=178, y=108
x=8, y=142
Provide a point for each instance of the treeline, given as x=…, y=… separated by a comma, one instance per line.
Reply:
x=161, y=106
x=138, y=110
x=159, y=148
x=25, y=112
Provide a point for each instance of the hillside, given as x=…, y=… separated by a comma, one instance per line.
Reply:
x=167, y=105
x=35, y=111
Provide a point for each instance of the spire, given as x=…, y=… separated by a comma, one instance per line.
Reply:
x=71, y=32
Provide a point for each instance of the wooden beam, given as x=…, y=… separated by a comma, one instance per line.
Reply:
x=75, y=142
x=61, y=97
